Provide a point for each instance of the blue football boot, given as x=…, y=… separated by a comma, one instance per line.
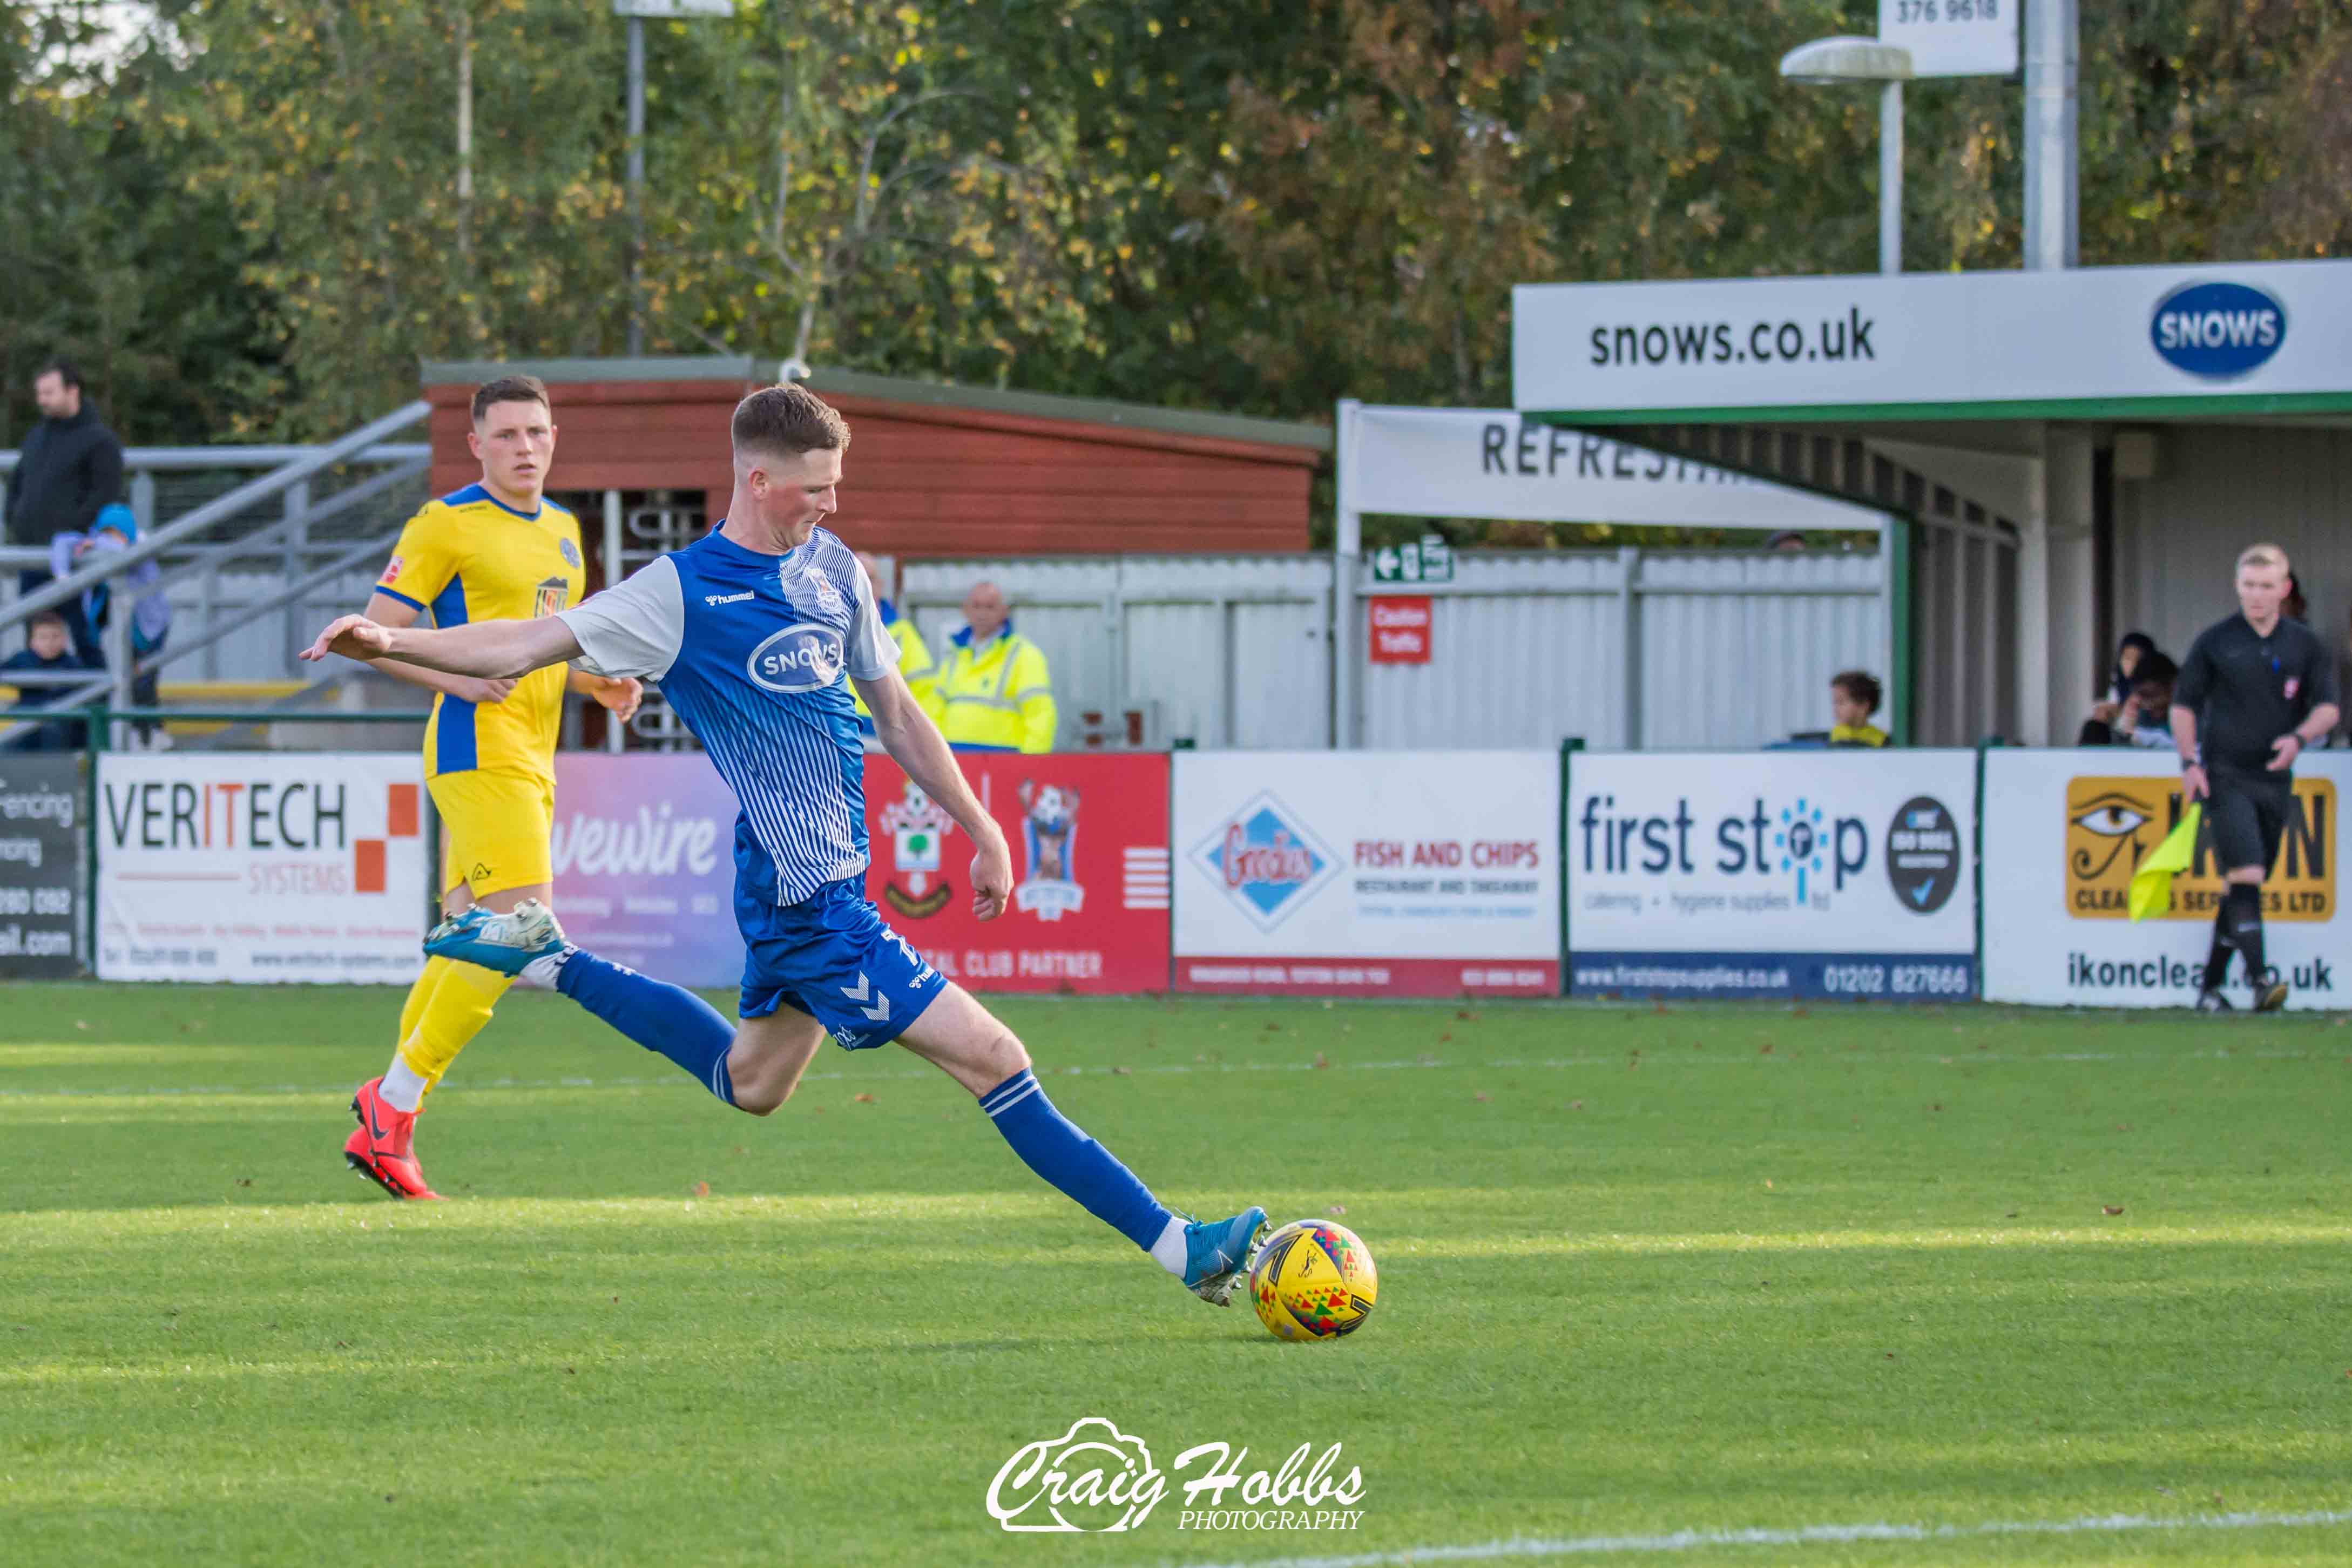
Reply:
x=1218, y=1254
x=509, y=943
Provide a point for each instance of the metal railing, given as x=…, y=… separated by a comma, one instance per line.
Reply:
x=141, y=464
x=287, y=480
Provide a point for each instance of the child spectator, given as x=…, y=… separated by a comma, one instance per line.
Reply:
x=49, y=648
x=1855, y=696
x=151, y=610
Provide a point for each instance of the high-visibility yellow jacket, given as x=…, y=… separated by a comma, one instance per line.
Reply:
x=997, y=697
x=914, y=663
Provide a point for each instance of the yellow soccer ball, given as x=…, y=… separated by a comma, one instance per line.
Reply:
x=1313, y=1281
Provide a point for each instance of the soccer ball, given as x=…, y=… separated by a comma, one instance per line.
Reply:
x=1313, y=1281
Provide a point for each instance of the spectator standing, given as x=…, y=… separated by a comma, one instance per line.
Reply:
x=69, y=468
x=1855, y=696
x=151, y=610
x=48, y=650
x=914, y=655
x=2254, y=692
x=994, y=692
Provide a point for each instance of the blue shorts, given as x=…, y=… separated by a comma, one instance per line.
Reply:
x=833, y=959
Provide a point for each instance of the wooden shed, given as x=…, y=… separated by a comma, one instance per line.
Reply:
x=933, y=470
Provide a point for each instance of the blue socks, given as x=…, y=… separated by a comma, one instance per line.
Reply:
x=664, y=1018
x=1052, y=1145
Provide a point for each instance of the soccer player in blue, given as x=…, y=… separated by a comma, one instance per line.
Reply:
x=755, y=633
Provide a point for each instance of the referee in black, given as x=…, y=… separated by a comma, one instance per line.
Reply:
x=2258, y=689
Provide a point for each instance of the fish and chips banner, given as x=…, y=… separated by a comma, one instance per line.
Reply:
x=2064, y=831
x=1367, y=873
x=260, y=867
x=1793, y=873
x=645, y=869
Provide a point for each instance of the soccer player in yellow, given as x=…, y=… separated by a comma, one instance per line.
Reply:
x=498, y=550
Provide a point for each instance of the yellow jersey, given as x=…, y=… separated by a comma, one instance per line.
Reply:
x=468, y=556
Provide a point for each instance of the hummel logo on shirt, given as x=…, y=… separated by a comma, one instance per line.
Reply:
x=727, y=598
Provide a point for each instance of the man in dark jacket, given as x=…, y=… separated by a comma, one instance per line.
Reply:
x=70, y=465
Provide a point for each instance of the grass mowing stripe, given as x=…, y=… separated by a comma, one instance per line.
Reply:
x=1691, y=1540
x=673, y=1080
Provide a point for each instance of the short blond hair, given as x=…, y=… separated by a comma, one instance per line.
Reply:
x=2261, y=555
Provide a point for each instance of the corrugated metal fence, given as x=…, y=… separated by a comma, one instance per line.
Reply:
x=1627, y=648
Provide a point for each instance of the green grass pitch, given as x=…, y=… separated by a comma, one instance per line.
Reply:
x=1647, y=1276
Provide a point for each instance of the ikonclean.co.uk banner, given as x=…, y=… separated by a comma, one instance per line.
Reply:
x=2092, y=334
x=2065, y=830
x=260, y=867
x=1799, y=873
x=1375, y=873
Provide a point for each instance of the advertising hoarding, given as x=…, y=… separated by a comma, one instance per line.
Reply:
x=261, y=867
x=1367, y=873
x=2063, y=833
x=1797, y=873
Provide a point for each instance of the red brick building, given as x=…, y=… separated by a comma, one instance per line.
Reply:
x=933, y=470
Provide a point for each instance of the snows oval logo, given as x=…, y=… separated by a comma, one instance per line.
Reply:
x=802, y=657
x=2218, y=331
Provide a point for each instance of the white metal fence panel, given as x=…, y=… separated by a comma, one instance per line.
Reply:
x=1622, y=648
x=1526, y=648
x=1738, y=650
x=1629, y=649
x=1230, y=651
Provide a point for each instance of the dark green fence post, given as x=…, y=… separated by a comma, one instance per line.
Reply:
x=1569, y=746
x=95, y=731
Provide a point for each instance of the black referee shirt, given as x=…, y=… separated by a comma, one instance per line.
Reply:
x=2248, y=690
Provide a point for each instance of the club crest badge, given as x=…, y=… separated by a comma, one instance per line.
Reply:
x=917, y=827
x=1049, y=838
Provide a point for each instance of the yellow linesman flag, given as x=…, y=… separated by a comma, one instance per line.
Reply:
x=2151, y=885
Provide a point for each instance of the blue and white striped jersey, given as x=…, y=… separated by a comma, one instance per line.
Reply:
x=753, y=652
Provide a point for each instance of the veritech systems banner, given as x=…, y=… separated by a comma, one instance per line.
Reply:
x=1367, y=873
x=260, y=867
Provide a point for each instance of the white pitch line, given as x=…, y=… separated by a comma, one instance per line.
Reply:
x=1693, y=1540
x=1662, y=1058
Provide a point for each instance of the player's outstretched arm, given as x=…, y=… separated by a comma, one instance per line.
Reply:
x=916, y=744
x=499, y=650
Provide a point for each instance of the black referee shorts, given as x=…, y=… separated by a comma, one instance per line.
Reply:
x=2248, y=815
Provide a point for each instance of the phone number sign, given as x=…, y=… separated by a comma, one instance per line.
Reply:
x=1953, y=37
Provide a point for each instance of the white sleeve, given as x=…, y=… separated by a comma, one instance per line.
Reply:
x=636, y=626
x=871, y=650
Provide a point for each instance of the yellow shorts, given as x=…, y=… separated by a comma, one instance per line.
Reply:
x=494, y=830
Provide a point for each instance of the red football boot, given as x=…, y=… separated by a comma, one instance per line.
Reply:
x=380, y=1150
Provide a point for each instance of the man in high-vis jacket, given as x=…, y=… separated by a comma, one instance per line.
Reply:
x=995, y=694
x=914, y=657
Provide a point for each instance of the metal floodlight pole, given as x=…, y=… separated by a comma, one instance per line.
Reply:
x=1830, y=61
x=637, y=12
x=637, y=187
x=2052, y=208
x=1890, y=178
